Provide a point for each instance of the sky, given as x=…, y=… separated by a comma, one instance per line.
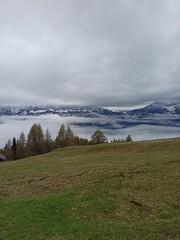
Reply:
x=89, y=52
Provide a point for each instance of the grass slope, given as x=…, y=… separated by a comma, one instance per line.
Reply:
x=109, y=191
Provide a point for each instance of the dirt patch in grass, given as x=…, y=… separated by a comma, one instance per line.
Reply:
x=141, y=206
x=172, y=234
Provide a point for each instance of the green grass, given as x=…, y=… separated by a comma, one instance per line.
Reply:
x=109, y=191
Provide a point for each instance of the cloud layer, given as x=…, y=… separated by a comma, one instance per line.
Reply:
x=107, y=53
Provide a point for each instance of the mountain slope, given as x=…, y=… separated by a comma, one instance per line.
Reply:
x=160, y=108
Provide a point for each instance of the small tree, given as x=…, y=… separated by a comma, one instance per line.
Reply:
x=21, y=147
x=69, y=140
x=60, y=139
x=8, y=150
x=80, y=141
x=14, y=149
x=129, y=138
x=98, y=137
x=35, y=142
x=48, y=141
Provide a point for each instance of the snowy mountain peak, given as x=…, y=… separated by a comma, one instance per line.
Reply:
x=79, y=111
x=156, y=108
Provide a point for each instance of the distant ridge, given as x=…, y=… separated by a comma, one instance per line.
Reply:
x=80, y=111
x=164, y=113
x=157, y=108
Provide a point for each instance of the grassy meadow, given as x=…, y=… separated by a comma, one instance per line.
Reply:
x=127, y=190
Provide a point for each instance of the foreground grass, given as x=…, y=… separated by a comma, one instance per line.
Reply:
x=110, y=191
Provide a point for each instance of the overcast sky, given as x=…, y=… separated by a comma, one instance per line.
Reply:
x=89, y=52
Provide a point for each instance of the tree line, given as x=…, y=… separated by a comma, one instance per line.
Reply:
x=39, y=142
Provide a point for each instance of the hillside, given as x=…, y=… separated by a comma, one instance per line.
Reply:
x=109, y=191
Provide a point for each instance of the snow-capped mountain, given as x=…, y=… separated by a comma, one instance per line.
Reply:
x=79, y=111
x=162, y=109
x=158, y=108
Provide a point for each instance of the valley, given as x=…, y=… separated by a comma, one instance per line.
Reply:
x=158, y=120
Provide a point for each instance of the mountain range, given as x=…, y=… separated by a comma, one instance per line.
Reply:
x=166, y=107
x=164, y=113
x=157, y=108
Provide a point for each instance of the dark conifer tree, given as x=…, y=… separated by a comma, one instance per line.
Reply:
x=129, y=138
x=48, y=141
x=14, y=149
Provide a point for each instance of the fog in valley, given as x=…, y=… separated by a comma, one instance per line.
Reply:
x=12, y=126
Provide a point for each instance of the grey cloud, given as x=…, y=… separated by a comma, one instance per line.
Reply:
x=89, y=52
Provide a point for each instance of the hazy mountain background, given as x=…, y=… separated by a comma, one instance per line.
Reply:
x=157, y=120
